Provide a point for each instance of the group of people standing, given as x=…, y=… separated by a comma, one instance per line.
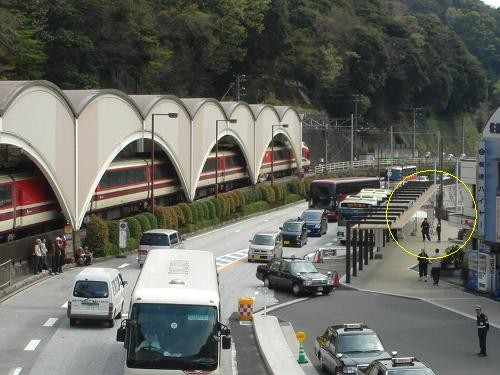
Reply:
x=56, y=254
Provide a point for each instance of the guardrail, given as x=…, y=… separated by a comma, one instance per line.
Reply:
x=383, y=163
x=5, y=277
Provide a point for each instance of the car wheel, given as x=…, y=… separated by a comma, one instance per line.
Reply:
x=326, y=292
x=338, y=371
x=72, y=322
x=267, y=283
x=111, y=323
x=300, y=243
x=296, y=289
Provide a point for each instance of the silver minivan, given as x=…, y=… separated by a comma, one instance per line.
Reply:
x=158, y=239
x=265, y=245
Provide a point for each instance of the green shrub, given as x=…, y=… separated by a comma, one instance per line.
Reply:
x=172, y=219
x=153, y=222
x=132, y=243
x=255, y=207
x=143, y=220
x=293, y=187
x=186, y=211
x=97, y=235
x=134, y=227
x=181, y=220
x=212, y=209
x=194, y=212
x=205, y=209
x=110, y=249
x=291, y=198
x=113, y=231
x=161, y=217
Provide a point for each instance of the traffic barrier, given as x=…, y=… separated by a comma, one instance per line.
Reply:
x=301, y=336
x=245, y=308
x=336, y=281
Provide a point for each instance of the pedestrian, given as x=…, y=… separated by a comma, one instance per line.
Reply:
x=436, y=268
x=56, y=259
x=62, y=259
x=44, y=250
x=438, y=230
x=423, y=262
x=37, y=257
x=482, y=329
x=425, y=229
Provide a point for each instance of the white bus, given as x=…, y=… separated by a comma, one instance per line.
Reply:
x=350, y=207
x=174, y=323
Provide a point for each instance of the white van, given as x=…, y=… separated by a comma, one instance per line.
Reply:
x=96, y=293
x=265, y=245
x=157, y=239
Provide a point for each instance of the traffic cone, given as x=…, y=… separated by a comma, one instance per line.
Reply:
x=302, y=355
x=336, y=281
x=317, y=257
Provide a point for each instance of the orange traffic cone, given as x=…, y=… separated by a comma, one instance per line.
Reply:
x=317, y=257
x=336, y=281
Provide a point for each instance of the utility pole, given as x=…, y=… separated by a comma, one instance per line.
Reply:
x=356, y=100
x=326, y=142
x=415, y=112
x=352, y=142
x=463, y=136
x=240, y=90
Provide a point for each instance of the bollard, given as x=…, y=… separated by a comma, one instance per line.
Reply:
x=301, y=336
x=245, y=308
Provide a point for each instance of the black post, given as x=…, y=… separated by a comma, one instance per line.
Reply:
x=372, y=243
x=348, y=253
x=365, y=248
x=354, y=242
x=383, y=237
x=360, y=247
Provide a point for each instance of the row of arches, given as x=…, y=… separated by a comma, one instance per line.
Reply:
x=73, y=136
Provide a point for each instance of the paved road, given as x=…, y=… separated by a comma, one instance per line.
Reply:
x=444, y=340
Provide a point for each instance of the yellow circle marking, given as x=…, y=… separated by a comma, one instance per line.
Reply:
x=301, y=336
x=414, y=174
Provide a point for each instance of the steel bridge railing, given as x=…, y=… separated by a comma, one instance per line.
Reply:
x=360, y=164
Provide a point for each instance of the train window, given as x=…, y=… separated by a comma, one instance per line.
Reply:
x=234, y=161
x=135, y=175
x=162, y=171
x=209, y=165
x=5, y=195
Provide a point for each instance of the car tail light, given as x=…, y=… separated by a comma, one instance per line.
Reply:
x=142, y=252
x=110, y=310
x=69, y=308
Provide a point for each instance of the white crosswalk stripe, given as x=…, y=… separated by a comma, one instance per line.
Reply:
x=124, y=265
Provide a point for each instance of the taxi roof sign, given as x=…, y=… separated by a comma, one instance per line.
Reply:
x=403, y=361
x=353, y=326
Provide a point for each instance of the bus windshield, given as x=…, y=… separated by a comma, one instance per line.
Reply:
x=347, y=213
x=172, y=336
x=322, y=194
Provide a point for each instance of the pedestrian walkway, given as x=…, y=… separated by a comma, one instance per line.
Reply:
x=394, y=275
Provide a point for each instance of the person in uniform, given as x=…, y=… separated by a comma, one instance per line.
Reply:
x=425, y=229
x=482, y=329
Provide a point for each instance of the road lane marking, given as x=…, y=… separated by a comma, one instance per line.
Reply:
x=16, y=371
x=65, y=306
x=124, y=265
x=50, y=322
x=269, y=309
x=223, y=260
x=329, y=244
x=32, y=345
x=236, y=231
x=233, y=256
x=242, y=251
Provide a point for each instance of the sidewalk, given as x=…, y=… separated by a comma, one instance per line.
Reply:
x=393, y=275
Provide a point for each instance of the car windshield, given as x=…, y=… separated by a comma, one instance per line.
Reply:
x=303, y=267
x=91, y=289
x=412, y=371
x=154, y=239
x=169, y=336
x=359, y=344
x=263, y=239
x=292, y=227
x=311, y=215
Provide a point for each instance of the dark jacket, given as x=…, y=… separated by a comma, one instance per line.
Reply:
x=425, y=226
x=423, y=259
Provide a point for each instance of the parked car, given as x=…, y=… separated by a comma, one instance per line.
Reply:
x=348, y=348
x=265, y=245
x=397, y=366
x=316, y=221
x=297, y=275
x=294, y=232
x=157, y=239
x=97, y=294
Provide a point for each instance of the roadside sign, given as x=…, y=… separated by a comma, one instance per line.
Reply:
x=122, y=238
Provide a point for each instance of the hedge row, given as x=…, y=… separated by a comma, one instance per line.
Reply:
x=103, y=237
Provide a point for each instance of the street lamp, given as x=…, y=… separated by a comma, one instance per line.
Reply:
x=232, y=121
x=170, y=115
x=272, y=149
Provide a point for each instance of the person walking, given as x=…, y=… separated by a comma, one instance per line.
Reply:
x=436, y=268
x=37, y=257
x=423, y=262
x=482, y=329
x=43, y=248
x=62, y=257
x=438, y=230
x=56, y=258
x=425, y=229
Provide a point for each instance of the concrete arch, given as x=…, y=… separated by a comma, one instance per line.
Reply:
x=38, y=118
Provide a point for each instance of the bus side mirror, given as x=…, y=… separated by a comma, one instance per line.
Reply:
x=226, y=342
x=120, y=333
